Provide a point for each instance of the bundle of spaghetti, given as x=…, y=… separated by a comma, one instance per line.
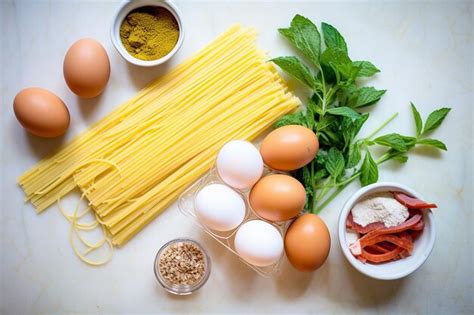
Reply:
x=134, y=163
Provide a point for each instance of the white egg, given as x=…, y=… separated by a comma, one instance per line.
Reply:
x=239, y=164
x=259, y=243
x=219, y=207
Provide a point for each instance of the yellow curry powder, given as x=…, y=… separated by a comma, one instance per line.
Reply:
x=149, y=33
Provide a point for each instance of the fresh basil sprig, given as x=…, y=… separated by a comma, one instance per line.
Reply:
x=332, y=112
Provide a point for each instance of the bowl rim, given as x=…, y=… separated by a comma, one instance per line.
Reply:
x=129, y=5
x=342, y=231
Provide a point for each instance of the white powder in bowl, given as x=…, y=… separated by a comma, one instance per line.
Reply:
x=380, y=207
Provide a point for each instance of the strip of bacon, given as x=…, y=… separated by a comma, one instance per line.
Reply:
x=419, y=226
x=405, y=235
x=368, y=239
x=411, y=202
x=362, y=259
x=388, y=246
x=377, y=249
x=379, y=258
x=404, y=254
x=350, y=224
x=377, y=254
x=415, y=234
x=408, y=224
x=404, y=241
x=350, y=220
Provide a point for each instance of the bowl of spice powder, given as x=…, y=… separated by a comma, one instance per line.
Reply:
x=182, y=266
x=147, y=32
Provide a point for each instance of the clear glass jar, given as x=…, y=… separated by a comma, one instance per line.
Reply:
x=181, y=289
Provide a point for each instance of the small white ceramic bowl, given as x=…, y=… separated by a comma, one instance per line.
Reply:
x=130, y=5
x=396, y=269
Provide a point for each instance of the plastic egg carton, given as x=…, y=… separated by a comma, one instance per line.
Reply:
x=186, y=206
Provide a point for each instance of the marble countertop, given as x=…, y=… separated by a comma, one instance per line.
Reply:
x=425, y=52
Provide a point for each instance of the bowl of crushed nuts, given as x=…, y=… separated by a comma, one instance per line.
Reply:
x=182, y=266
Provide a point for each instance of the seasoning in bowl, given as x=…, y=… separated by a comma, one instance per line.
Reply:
x=182, y=266
x=149, y=33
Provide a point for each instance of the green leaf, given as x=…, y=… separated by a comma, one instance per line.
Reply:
x=326, y=122
x=344, y=111
x=397, y=156
x=354, y=155
x=365, y=96
x=335, y=163
x=418, y=121
x=297, y=118
x=311, y=109
x=287, y=33
x=401, y=158
x=321, y=158
x=332, y=37
x=367, y=69
x=294, y=67
x=305, y=36
x=315, y=100
x=354, y=73
x=433, y=143
x=331, y=138
x=435, y=119
x=409, y=141
x=359, y=122
x=319, y=175
x=354, y=126
x=307, y=181
x=350, y=128
x=369, y=171
x=338, y=60
x=392, y=140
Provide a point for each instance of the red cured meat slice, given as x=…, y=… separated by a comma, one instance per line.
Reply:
x=362, y=259
x=404, y=242
x=350, y=221
x=387, y=245
x=350, y=224
x=376, y=253
x=419, y=226
x=404, y=254
x=362, y=229
x=412, y=212
x=411, y=202
x=368, y=239
x=408, y=224
x=378, y=258
x=377, y=249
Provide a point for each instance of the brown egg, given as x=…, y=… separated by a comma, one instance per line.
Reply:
x=86, y=68
x=289, y=148
x=277, y=197
x=41, y=112
x=307, y=242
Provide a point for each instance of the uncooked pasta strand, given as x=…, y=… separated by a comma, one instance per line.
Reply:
x=132, y=164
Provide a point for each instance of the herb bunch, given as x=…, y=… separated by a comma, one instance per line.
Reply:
x=332, y=112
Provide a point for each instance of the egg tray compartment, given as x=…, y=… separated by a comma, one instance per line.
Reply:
x=226, y=238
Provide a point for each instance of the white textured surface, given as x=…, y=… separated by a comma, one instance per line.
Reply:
x=381, y=207
x=425, y=52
